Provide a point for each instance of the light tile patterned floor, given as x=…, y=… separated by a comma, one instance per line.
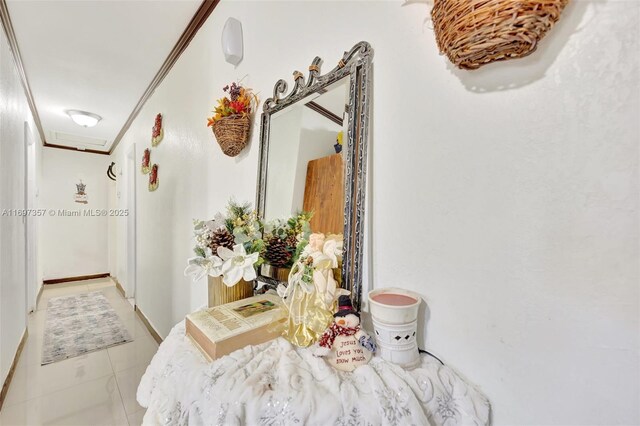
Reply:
x=94, y=389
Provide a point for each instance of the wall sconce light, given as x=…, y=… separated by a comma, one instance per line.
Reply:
x=83, y=118
x=232, y=41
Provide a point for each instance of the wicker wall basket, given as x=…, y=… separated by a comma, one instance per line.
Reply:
x=232, y=133
x=473, y=33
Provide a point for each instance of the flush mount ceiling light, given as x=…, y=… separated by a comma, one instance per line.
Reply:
x=83, y=118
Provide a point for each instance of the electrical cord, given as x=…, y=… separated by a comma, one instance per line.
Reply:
x=422, y=351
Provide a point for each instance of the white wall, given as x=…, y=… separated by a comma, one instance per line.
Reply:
x=112, y=229
x=14, y=112
x=507, y=197
x=74, y=246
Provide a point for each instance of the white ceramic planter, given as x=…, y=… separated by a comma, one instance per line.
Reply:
x=396, y=327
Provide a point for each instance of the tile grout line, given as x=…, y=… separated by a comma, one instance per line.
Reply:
x=112, y=373
x=115, y=378
x=142, y=410
x=63, y=389
x=39, y=325
x=40, y=365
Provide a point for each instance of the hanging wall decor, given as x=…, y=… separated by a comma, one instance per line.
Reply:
x=81, y=196
x=157, y=132
x=146, y=161
x=153, y=178
x=473, y=33
x=231, y=122
x=110, y=173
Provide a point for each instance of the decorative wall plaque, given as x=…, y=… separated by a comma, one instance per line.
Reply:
x=157, y=132
x=81, y=196
x=153, y=178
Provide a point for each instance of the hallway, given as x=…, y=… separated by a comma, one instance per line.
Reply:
x=98, y=388
x=180, y=154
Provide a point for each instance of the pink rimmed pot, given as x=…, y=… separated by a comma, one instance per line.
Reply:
x=394, y=312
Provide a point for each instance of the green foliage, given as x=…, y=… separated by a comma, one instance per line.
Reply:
x=299, y=249
x=241, y=221
x=199, y=251
x=300, y=223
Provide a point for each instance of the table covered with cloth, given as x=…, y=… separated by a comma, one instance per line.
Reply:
x=278, y=384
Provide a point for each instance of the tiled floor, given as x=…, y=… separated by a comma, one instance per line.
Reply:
x=94, y=389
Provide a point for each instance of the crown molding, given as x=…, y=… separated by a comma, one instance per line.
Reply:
x=17, y=58
x=73, y=148
x=199, y=18
x=196, y=22
x=325, y=112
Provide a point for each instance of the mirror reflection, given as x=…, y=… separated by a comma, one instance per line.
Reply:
x=305, y=166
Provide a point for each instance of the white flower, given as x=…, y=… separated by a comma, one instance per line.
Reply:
x=198, y=267
x=237, y=265
x=217, y=222
x=215, y=266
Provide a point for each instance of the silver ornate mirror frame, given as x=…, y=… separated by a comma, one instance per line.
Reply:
x=356, y=64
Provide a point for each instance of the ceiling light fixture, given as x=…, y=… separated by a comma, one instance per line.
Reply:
x=83, y=118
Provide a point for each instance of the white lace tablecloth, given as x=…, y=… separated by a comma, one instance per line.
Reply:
x=278, y=384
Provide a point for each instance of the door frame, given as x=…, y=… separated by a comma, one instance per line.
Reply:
x=131, y=229
x=30, y=221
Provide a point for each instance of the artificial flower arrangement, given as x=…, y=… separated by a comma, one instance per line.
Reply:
x=231, y=121
x=230, y=246
x=234, y=245
x=312, y=291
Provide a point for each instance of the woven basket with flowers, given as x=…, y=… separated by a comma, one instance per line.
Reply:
x=231, y=122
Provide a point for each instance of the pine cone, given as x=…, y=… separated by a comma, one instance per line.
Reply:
x=292, y=242
x=278, y=252
x=221, y=238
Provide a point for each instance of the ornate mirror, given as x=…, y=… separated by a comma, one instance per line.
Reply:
x=313, y=156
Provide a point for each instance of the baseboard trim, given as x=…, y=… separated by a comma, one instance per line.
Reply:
x=39, y=295
x=119, y=287
x=14, y=364
x=78, y=278
x=147, y=324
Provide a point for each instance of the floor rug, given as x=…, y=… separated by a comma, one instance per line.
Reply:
x=80, y=324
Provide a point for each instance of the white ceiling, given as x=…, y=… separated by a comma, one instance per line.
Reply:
x=96, y=56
